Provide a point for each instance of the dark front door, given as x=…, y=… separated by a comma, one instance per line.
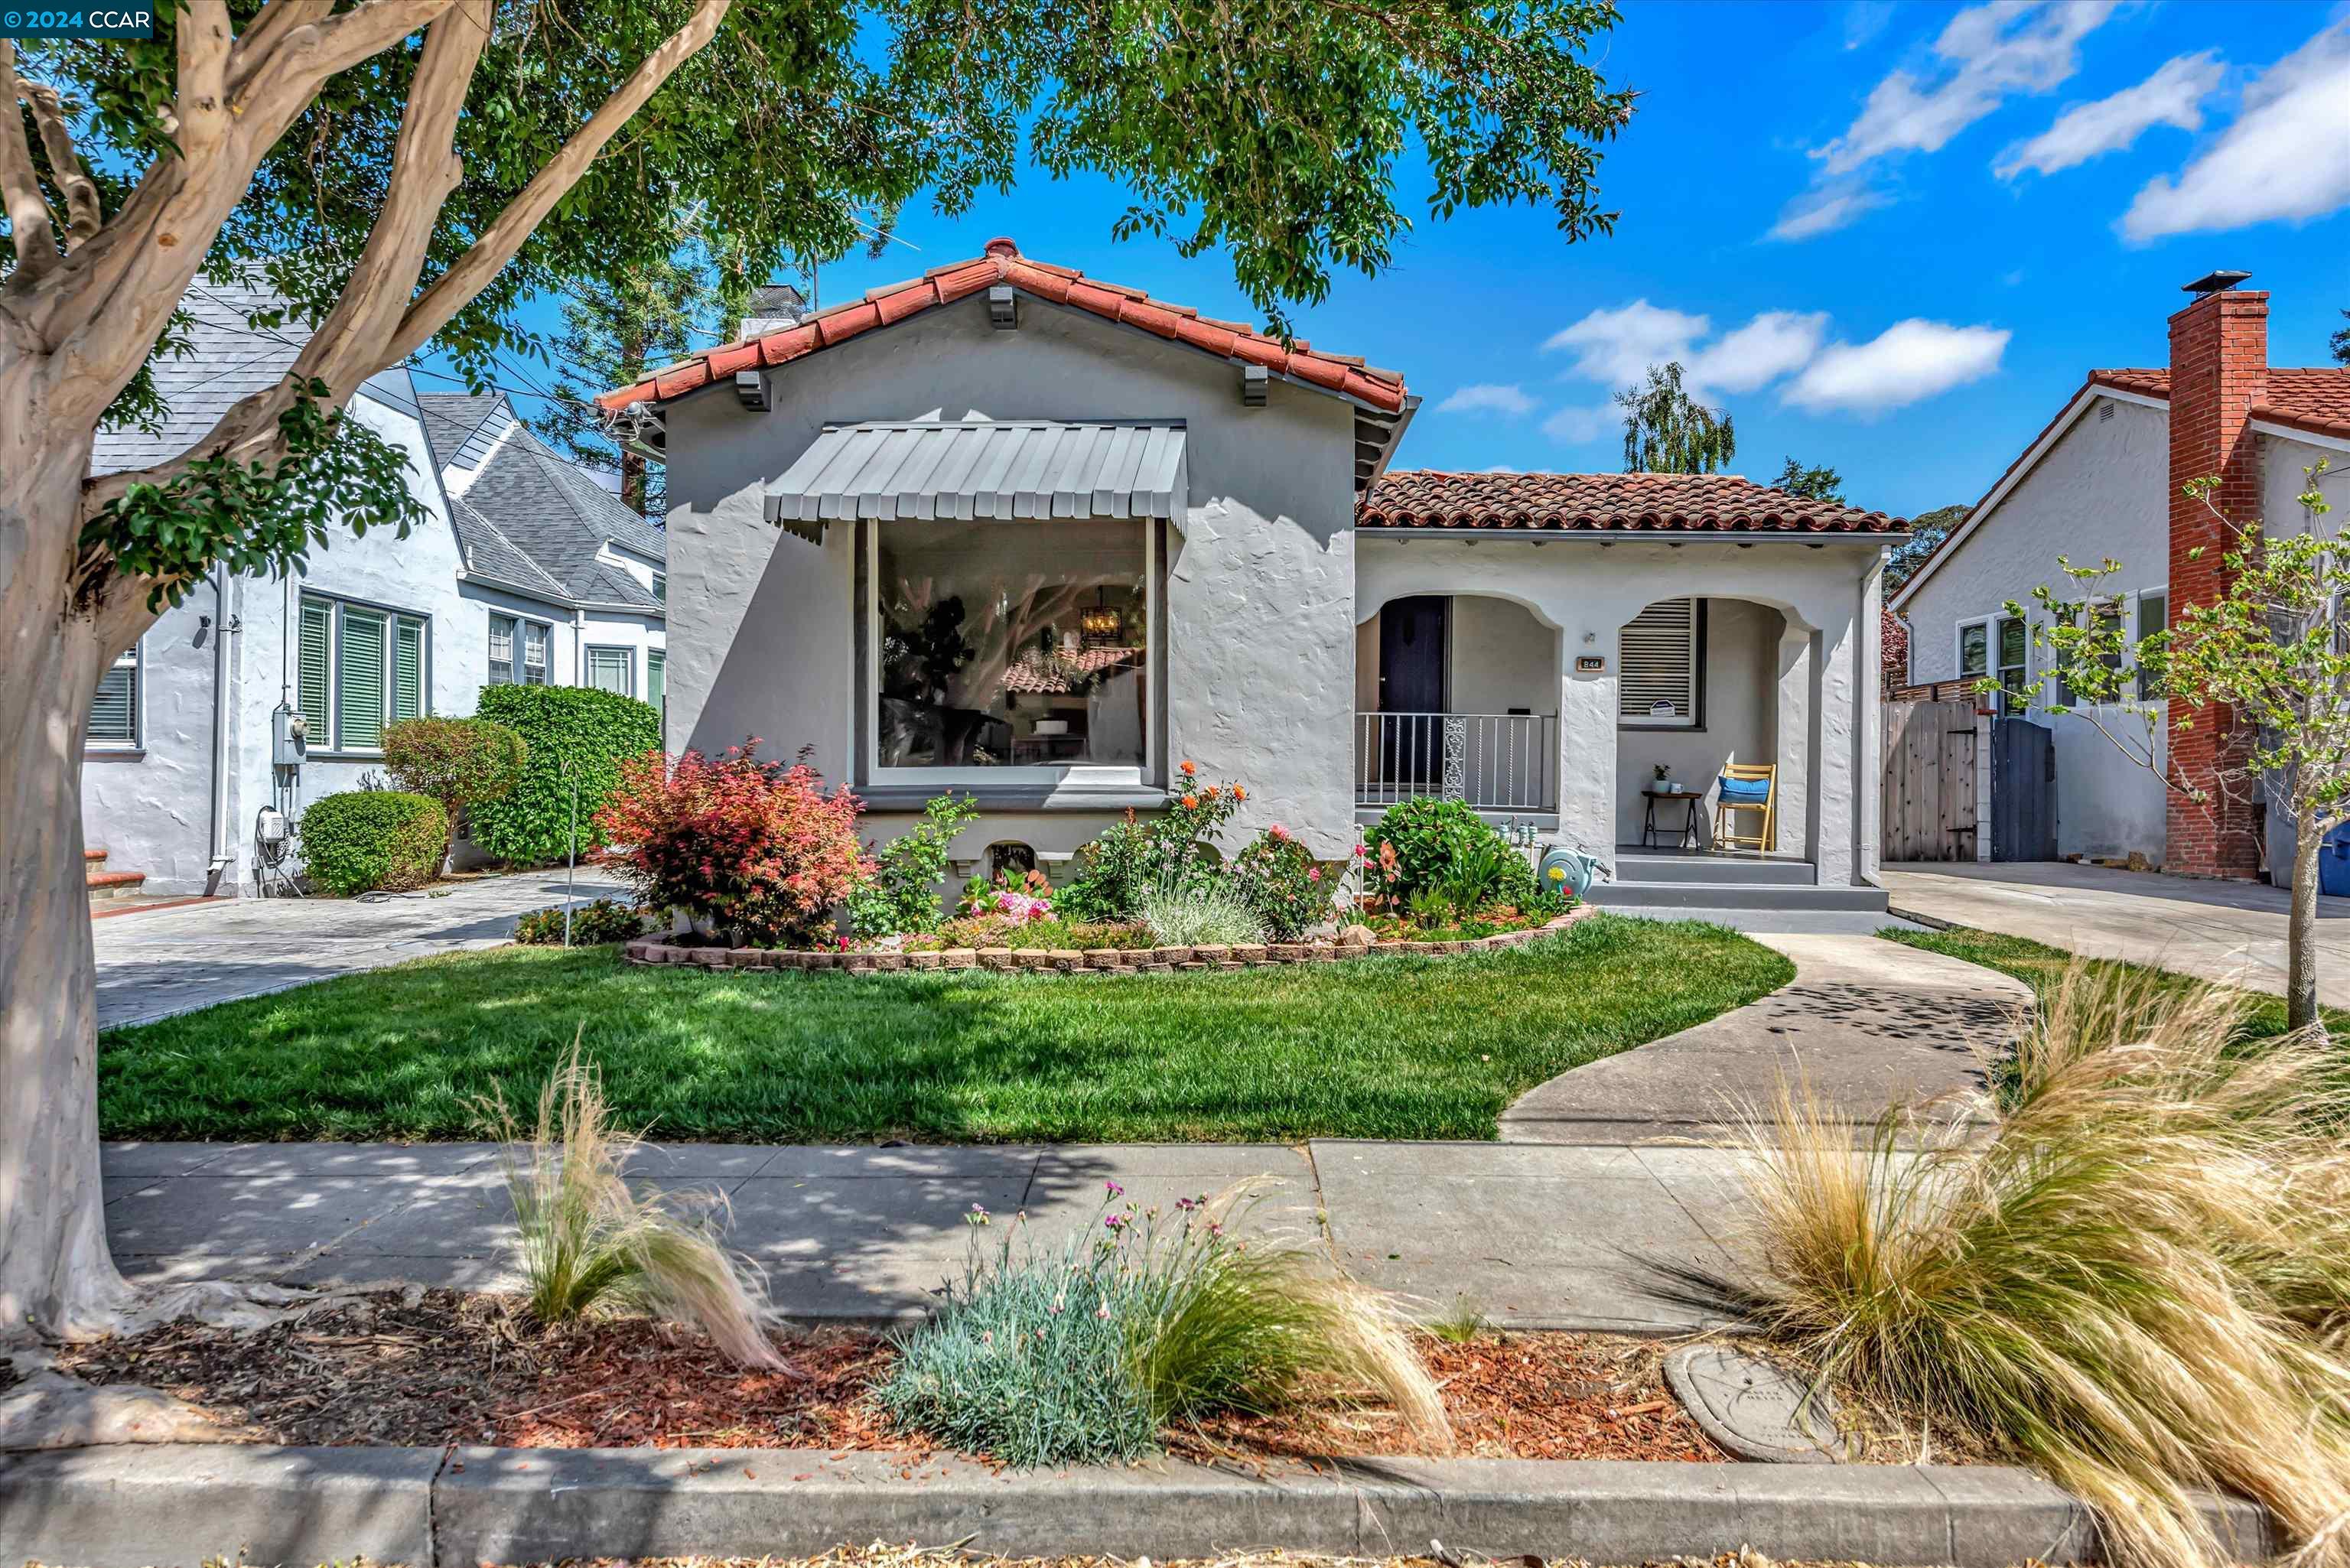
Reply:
x=1411, y=683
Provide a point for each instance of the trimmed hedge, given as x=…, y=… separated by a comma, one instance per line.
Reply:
x=589, y=731
x=365, y=840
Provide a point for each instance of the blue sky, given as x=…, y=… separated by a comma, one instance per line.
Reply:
x=1891, y=237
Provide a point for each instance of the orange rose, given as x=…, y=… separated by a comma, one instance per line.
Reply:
x=1190, y=768
x=1211, y=792
x=1191, y=800
x=1240, y=792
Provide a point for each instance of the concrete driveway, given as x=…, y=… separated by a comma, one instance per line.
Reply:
x=153, y=964
x=2226, y=931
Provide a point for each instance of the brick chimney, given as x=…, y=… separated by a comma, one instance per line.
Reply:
x=2219, y=370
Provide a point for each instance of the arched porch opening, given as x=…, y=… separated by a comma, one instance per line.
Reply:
x=1456, y=695
x=1702, y=682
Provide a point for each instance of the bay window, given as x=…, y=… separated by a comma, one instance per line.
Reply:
x=1018, y=648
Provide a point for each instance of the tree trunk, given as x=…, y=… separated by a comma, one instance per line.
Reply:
x=2300, y=930
x=56, y=1277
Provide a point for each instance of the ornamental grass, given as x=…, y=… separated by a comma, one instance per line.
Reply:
x=586, y=1243
x=2139, y=1280
x=1087, y=1353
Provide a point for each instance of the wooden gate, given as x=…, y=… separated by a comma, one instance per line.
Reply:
x=1928, y=811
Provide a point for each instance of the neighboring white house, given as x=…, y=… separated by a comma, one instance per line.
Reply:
x=1041, y=539
x=523, y=569
x=2103, y=480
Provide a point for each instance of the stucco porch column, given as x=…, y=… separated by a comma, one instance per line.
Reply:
x=1793, y=739
x=1835, y=697
x=1587, y=743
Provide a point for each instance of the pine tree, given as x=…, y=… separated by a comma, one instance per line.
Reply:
x=1812, y=483
x=617, y=329
x=1666, y=430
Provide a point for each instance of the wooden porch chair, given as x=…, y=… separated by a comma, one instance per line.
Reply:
x=1738, y=794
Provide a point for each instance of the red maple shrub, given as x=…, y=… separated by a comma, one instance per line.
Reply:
x=749, y=848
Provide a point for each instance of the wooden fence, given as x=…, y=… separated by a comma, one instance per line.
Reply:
x=1928, y=803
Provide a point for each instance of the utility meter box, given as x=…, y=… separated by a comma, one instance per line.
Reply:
x=290, y=731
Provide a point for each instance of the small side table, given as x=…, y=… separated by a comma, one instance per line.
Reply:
x=1651, y=833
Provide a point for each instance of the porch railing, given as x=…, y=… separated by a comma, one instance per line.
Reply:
x=1493, y=761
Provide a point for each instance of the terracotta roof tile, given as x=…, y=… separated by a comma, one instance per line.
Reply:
x=1004, y=263
x=2314, y=397
x=1660, y=502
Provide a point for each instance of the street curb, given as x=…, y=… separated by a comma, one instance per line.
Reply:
x=159, y=1506
x=1931, y=923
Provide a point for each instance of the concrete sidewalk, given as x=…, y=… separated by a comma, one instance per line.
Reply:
x=1532, y=1236
x=2228, y=931
x=159, y=962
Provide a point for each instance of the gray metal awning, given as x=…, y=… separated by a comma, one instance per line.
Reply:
x=987, y=469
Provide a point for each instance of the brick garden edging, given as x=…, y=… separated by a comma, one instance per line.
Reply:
x=1070, y=960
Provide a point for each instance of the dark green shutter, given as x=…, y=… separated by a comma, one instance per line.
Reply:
x=407, y=670
x=317, y=631
x=114, y=711
x=359, y=682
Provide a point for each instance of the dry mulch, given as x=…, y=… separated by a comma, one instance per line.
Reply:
x=1510, y=1396
x=430, y=1367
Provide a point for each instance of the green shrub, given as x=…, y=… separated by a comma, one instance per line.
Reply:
x=592, y=924
x=902, y=893
x=1113, y=872
x=461, y=763
x=1443, y=848
x=365, y=840
x=1087, y=1353
x=572, y=728
x=1277, y=876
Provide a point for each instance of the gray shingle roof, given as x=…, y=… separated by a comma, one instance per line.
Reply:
x=520, y=499
x=230, y=360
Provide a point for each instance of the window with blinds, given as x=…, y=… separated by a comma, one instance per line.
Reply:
x=610, y=669
x=359, y=669
x=114, y=711
x=656, y=677
x=1661, y=647
x=502, y=650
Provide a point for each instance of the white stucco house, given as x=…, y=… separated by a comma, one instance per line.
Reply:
x=2104, y=480
x=1011, y=531
x=523, y=569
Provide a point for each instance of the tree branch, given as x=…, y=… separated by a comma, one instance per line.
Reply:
x=472, y=271
x=83, y=215
x=20, y=183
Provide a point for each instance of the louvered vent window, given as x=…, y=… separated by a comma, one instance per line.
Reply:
x=114, y=711
x=1659, y=665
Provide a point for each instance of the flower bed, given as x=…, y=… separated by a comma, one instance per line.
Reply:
x=425, y=1368
x=1078, y=960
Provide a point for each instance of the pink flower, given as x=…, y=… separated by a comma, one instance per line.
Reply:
x=1115, y=1189
x=1277, y=833
x=1314, y=874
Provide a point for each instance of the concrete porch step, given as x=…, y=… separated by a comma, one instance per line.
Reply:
x=1636, y=895
x=1716, y=871
x=113, y=884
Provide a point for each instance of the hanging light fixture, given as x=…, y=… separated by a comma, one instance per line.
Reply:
x=1100, y=624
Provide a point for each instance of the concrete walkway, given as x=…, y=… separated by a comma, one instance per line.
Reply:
x=1867, y=1023
x=1534, y=1237
x=2227, y=931
x=158, y=962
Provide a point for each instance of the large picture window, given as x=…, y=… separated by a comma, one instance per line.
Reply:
x=1011, y=645
x=359, y=668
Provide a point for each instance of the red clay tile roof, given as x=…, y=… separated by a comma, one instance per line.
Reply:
x=1003, y=263
x=1663, y=502
x=2314, y=398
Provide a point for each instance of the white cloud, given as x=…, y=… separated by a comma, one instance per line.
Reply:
x=2283, y=158
x=2172, y=96
x=1487, y=398
x=1993, y=51
x=1864, y=19
x=1578, y=426
x=1823, y=209
x=1499, y=468
x=1774, y=344
x=1908, y=362
x=1617, y=347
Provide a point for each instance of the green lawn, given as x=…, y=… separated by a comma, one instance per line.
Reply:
x=1386, y=1047
x=2039, y=965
